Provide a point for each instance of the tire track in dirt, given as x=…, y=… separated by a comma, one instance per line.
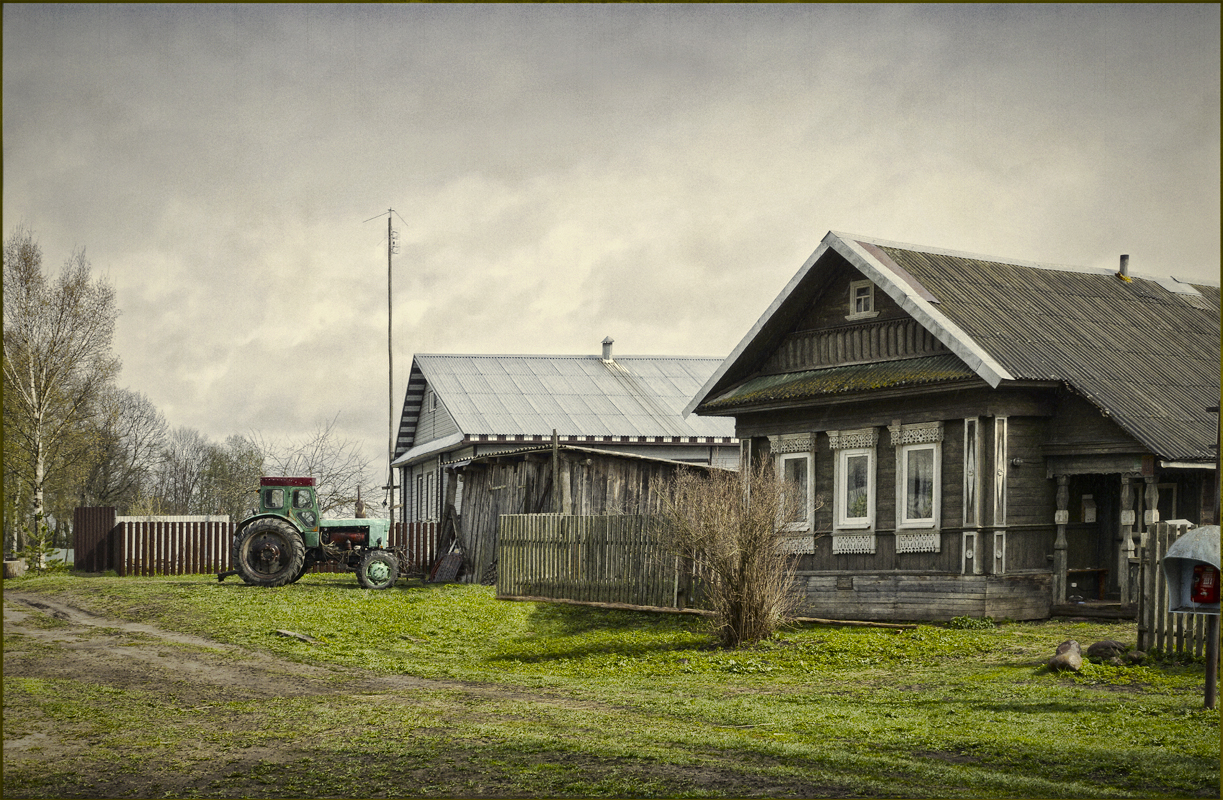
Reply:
x=128, y=654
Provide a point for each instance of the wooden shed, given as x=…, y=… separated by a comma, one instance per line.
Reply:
x=989, y=437
x=591, y=481
x=462, y=407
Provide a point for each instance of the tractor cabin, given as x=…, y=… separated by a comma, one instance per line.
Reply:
x=976, y=436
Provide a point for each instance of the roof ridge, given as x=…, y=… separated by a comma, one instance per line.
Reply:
x=1018, y=262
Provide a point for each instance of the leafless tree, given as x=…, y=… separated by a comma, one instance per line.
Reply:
x=57, y=357
x=128, y=434
x=179, y=485
x=729, y=524
x=336, y=462
x=231, y=478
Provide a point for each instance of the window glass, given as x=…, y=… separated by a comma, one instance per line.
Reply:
x=301, y=498
x=274, y=498
x=857, y=486
x=919, y=483
x=862, y=299
x=795, y=471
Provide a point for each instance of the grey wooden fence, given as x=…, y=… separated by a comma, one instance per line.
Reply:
x=604, y=559
x=1159, y=629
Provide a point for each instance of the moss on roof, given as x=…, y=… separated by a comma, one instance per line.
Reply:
x=844, y=380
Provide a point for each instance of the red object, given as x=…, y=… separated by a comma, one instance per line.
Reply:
x=1205, y=584
x=286, y=481
x=345, y=538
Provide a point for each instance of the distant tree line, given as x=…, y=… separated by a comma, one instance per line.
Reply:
x=73, y=437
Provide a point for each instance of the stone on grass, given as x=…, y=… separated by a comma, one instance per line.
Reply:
x=1135, y=656
x=1069, y=657
x=1106, y=649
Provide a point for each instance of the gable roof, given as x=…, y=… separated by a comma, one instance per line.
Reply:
x=581, y=395
x=1144, y=351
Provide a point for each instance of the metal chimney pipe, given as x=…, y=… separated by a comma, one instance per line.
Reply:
x=607, y=347
x=1125, y=266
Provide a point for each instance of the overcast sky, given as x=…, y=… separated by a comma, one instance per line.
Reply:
x=562, y=173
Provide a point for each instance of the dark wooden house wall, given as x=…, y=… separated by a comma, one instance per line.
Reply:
x=590, y=484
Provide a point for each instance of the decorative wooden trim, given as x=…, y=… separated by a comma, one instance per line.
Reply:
x=855, y=439
x=853, y=543
x=865, y=342
x=919, y=541
x=792, y=443
x=916, y=433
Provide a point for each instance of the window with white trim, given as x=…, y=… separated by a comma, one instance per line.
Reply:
x=919, y=481
x=796, y=471
x=853, y=496
x=856, y=489
x=861, y=300
x=919, y=498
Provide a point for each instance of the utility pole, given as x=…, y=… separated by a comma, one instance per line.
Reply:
x=390, y=363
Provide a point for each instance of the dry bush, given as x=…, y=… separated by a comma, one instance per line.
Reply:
x=728, y=525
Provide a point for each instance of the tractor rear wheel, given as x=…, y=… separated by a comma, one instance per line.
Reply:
x=378, y=570
x=270, y=552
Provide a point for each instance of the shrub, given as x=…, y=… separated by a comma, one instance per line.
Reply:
x=727, y=525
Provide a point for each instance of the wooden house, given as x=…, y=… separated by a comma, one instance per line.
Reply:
x=461, y=407
x=976, y=436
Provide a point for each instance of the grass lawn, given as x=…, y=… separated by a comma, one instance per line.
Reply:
x=442, y=690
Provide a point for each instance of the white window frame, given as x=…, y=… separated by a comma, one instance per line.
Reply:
x=902, y=487
x=809, y=500
x=844, y=522
x=854, y=313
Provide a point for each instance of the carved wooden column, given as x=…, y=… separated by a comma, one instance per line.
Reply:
x=1059, y=545
x=1125, y=529
x=1149, y=517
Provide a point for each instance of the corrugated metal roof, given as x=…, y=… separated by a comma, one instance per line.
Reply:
x=1146, y=355
x=525, y=395
x=845, y=379
x=1146, y=351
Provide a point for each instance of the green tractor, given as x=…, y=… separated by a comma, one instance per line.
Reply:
x=276, y=544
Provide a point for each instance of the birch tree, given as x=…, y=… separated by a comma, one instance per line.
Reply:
x=57, y=357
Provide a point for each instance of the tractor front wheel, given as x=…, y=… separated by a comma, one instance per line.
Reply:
x=378, y=570
x=270, y=552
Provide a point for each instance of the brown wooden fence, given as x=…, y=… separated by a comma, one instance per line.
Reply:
x=604, y=559
x=185, y=545
x=196, y=545
x=1159, y=629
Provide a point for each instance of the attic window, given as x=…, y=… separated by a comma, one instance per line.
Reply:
x=861, y=300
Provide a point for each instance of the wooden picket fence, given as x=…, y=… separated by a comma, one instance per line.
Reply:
x=601, y=559
x=196, y=545
x=1159, y=629
x=183, y=545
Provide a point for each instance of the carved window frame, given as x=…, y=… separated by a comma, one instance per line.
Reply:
x=869, y=312
x=797, y=447
x=846, y=445
x=919, y=535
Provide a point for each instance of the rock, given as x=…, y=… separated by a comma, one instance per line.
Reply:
x=1069, y=657
x=1115, y=661
x=1135, y=656
x=1106, y=649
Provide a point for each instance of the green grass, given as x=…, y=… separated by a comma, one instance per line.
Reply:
x=613, y=703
